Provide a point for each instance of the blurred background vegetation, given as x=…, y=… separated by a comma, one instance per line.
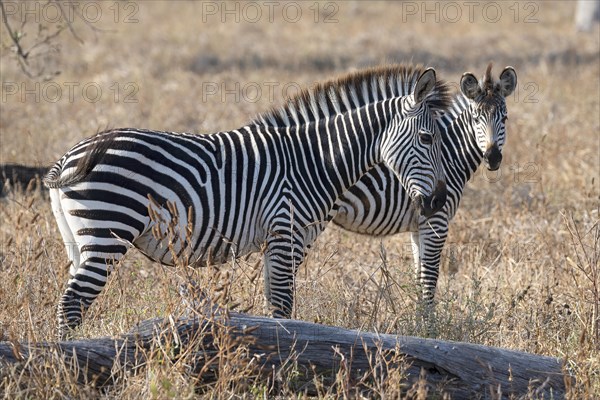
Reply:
x=521, y=266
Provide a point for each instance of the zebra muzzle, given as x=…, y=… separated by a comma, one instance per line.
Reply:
x=429, y=205
x=493, y=157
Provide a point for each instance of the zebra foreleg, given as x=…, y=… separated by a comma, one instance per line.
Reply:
x=416, y=252
x=281, y=261
x=424, y=308
x=428, y=244
x=431, y=237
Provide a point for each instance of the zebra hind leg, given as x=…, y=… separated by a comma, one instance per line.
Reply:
x=65, y=231
x=102, y=238
x=85, y=285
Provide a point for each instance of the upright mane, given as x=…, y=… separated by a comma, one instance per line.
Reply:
x=489, y=98
x=491, y=91
x=351, y=91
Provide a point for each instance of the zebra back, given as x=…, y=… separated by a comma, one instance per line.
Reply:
x=353, y=91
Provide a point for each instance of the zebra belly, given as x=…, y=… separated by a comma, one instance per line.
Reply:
x=160, y=231
x=163, y=249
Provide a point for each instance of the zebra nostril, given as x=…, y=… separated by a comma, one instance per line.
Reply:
x=493, y=157
x=438, y=199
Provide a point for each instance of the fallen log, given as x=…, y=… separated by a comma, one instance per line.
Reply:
x=462, y=370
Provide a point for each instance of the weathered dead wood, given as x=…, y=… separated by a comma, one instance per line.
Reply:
x=464, y=370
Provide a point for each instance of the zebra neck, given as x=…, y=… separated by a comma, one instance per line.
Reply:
x=461, y=154
x=337, y=150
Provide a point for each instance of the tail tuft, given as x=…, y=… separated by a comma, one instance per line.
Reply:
x=52, y=178
x=97, y=146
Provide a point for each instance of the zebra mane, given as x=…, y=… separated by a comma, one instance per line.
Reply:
x=352, y=91
x=490, y=96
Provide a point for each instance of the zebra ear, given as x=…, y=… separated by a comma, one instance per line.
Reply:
x=470, y=86
x=508, y=81
x=425, y=85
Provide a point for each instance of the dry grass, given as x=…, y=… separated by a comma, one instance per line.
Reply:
x=521, y=266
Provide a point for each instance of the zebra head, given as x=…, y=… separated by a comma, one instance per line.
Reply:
x=411, y=145
x=488, y=111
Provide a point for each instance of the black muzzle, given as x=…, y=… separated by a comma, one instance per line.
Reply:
x=429, y=205
x=493, y=157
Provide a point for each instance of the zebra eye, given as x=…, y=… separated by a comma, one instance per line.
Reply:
x=504, y=119
x=426, y=138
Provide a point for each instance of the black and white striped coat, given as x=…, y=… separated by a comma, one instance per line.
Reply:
x=195, y=199
x=473, y=131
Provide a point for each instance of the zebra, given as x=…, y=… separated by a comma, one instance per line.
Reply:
x=202, y=199
x=474, y=130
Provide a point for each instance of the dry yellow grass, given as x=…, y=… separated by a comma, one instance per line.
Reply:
x=519, y=264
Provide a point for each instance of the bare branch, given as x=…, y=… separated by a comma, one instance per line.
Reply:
x=45, y=40
x=13, y=35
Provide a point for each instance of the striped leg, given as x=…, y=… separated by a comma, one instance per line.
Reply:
x=416, y=251
x=429, y=242
x=100, y=243
x=65, y=230
x=85, y=285
x=283, y=256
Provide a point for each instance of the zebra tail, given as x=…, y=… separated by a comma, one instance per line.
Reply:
x=97, y=149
